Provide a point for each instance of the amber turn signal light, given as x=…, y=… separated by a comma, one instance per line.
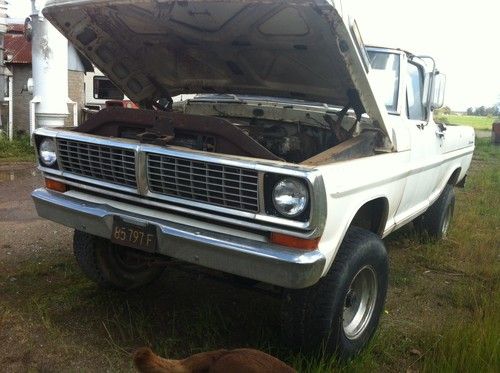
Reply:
x=56, y=185
x=294, y=242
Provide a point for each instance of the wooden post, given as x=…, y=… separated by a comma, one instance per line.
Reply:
x=495, y=133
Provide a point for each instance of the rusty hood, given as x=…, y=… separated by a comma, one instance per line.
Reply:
x=155, y=49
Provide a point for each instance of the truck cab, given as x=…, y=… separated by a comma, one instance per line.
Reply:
x=412, y=87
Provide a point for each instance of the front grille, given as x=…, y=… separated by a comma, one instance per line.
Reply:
x=199, y=181
x=101, y=162
x=216, y=184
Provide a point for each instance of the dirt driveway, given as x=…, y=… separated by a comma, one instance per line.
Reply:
x=22, y=234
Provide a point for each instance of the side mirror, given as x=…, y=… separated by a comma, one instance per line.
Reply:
x=439, y=88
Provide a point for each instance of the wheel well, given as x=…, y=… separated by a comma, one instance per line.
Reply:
x=372, y=216
x=454, y=177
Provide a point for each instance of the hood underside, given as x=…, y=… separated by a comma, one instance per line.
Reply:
x=156, y=49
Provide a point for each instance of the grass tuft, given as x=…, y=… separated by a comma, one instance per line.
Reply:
x=16, y=150
x=469, y=346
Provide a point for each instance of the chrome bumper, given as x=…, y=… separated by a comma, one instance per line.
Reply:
x=261, y=261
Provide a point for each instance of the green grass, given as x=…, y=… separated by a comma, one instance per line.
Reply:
x=17, y=150
x=441, y=314
x=469, y=346
x=470, y=343
x=479, y=123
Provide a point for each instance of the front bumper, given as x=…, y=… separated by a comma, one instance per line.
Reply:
x=261, y=261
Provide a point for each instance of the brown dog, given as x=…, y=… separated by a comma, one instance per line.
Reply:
x=221, y=361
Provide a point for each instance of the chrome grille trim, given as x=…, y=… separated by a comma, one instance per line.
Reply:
x=216, y=184
x=101, y=162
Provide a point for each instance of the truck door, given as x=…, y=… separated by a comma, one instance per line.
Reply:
x=424, y=167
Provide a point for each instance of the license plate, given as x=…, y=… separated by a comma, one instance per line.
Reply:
x=134, y=235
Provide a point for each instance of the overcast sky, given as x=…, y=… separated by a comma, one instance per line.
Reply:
x=464, y=38
x=19, y=8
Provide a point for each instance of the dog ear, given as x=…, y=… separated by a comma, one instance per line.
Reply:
x=145, y=360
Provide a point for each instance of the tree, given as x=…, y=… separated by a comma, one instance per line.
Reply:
x=481, y=111
x=470, y=111
x=446, y=110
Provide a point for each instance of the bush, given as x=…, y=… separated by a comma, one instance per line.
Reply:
x=441, y=119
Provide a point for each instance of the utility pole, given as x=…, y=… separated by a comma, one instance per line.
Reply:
x=3, y=70
x=49, y=107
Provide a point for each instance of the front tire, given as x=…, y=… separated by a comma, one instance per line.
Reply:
x=112, y=266
x=341, y=312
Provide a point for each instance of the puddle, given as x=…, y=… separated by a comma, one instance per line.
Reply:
x=10, y=173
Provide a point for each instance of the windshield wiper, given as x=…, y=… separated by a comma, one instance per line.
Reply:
x=222, y=96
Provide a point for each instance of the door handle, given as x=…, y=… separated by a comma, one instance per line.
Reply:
x=440, y=133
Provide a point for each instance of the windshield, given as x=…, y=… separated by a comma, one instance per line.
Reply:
x=385, y=77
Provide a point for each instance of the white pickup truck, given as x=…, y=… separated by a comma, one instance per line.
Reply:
x=302, y=150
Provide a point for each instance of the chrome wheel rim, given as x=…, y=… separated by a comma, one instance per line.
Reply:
x=447, y=220
x=359, y=303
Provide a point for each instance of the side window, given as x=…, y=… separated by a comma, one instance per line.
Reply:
x=415, y=93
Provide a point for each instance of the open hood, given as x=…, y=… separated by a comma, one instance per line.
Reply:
x=154, y=49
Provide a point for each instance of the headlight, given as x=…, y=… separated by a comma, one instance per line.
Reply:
x=47, y=152
x=290, y=197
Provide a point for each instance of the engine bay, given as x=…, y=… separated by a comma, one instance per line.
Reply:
x=273, y=133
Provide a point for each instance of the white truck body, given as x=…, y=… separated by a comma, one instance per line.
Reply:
x=414, y=162
x=301, y=150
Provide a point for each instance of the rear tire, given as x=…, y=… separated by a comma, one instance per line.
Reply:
x=112, y=266
x=437, y=219
x=341, y=312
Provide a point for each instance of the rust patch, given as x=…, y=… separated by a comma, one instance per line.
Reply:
x=134, y=124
